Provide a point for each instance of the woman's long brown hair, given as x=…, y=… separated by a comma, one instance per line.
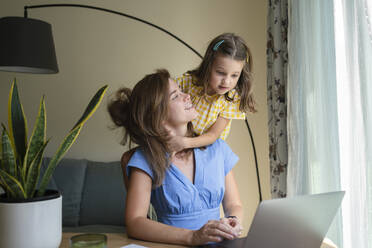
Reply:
x=141, y=113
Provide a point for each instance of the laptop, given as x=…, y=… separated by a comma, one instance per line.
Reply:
x=297, y=222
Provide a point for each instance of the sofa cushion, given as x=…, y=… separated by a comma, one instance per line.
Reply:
x=68, y=178
x=103, y=198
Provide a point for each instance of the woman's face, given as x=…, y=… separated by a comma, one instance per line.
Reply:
x=180, y=108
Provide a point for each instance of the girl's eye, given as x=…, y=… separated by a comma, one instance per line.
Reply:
x=221, y=72
x=235, y=75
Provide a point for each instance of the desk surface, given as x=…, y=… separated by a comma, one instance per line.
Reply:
x=117, y=240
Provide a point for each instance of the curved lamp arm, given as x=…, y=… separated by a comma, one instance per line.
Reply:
x=163, y=30
x=112, y=12
x=255, y=159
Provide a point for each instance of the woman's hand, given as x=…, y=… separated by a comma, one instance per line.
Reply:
x=213, y=231
x=234, y=223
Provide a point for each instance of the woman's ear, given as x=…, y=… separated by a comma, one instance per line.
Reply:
x=168, y=129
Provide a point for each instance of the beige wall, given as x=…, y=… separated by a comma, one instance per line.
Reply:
x=96, y=48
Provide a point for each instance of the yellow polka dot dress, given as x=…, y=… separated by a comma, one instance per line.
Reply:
x=210, y=107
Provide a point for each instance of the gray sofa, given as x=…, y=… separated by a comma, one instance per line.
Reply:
x=93, y=195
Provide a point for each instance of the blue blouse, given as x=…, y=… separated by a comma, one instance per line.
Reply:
x=181, y=203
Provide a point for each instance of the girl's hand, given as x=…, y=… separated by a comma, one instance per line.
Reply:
x=235, y=225
x=177, y=143
x=212, y=231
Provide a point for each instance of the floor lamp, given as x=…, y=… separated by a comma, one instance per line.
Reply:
x=28, y=47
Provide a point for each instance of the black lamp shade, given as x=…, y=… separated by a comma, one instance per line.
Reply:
x=26, y=45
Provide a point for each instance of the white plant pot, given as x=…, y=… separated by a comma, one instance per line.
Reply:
x=36, y=224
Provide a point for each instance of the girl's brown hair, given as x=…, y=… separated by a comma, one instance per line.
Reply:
x=141, y=113
x=233, y=46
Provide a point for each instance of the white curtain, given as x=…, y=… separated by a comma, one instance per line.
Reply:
x=330, y=110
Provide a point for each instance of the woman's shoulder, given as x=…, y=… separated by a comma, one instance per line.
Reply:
x=218, y=146
x=220, y=153
x=138, y=160
x=138, y=155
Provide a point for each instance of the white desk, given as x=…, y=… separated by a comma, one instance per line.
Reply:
x=116, y=240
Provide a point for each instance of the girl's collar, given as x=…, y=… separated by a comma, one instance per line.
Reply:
x=211, y=98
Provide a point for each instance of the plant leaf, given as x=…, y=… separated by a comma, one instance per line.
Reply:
x=92, y=106
x=6, y=188
x=13, y=185
x=70, y=138
x=37, y=139
x=8, y=154
x=63, y=148
x=1, y=155
x=17, y=123
x=34, y=172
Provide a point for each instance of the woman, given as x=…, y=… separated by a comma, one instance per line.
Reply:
x=185, y=188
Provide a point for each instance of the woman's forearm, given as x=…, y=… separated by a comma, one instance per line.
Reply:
x=235, y=210
x=146, y=229
x=232, y=205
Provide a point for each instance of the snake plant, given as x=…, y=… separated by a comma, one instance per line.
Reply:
x=20, y=160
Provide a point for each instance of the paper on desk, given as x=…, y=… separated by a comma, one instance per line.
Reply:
x=133, y=246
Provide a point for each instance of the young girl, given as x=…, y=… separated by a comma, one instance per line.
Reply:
x=220, y=89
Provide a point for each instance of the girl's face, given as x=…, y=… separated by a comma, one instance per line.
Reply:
x=224, y=76
x=180, y=108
